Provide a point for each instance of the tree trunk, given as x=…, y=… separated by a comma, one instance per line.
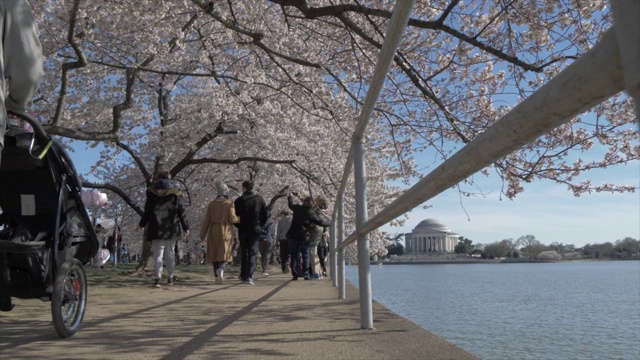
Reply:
x=146, y=253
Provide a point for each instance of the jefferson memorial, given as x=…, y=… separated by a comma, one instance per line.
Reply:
x=430, y=235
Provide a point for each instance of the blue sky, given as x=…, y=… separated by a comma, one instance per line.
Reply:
x=546, y=210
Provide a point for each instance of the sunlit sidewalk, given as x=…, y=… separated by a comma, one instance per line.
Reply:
x=196, y=319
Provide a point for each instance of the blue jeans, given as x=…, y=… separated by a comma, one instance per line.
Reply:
x=296, y=248
x=323, y=252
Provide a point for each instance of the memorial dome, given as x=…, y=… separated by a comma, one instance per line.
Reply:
x=431, y=225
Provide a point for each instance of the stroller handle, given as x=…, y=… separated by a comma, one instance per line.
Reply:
x=42, y=136
x=38, y=130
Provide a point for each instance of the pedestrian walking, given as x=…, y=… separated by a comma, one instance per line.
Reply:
x=253, y=213
x=316, y=270
x=165, y=219
x=300, y=233
x=323, y=251
x=267, y=239
x=283, y=243
x=217, y=227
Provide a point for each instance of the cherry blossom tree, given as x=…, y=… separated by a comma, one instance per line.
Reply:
x=270, y=90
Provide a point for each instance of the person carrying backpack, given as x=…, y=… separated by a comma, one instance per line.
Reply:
x=165, y=219
x=300, y=234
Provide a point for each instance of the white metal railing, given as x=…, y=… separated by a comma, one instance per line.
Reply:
x=611, y=66
x=398, y=24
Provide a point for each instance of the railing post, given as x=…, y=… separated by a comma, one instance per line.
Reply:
x=364, y=262
x=399, y=19
x=342, y=294
x=333, y=245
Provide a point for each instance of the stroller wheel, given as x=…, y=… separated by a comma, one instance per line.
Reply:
x=69, y=298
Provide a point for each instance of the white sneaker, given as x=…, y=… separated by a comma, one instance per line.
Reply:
x=220, y=277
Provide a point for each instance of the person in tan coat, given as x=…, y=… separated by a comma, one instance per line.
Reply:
x=218, y=227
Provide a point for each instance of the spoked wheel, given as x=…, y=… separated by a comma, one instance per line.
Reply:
x=69, y=298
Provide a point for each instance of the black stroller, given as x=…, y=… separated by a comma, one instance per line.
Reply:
x=46, y=235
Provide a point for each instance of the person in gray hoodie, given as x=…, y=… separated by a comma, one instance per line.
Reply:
x=267, y=240
x=283, y=242
x=21, y=61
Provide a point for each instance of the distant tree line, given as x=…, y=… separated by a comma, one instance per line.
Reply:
x=529, y=247
x=396, y=248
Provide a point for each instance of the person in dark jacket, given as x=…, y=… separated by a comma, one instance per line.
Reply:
x=164, y=216
x=111, y=244
x=302, y=223
x=253, y=213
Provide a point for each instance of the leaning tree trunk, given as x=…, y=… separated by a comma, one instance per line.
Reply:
x=146, y=254
x=146, y=245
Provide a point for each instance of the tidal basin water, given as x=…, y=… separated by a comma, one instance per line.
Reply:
x=568, y=310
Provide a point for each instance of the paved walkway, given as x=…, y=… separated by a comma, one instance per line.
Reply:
x=274, y=319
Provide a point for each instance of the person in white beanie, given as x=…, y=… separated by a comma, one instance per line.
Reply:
x=218, y=228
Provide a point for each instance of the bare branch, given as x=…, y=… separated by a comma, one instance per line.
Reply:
x=282, y=193
x=115, y=189
x=68, y=66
